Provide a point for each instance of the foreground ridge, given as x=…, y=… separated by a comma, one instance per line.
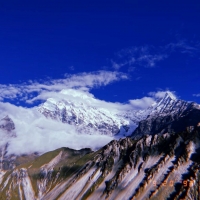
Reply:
x=154, y=167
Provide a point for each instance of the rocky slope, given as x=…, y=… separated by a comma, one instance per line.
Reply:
x=154, y=167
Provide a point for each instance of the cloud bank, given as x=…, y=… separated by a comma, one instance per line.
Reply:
x=35, y=133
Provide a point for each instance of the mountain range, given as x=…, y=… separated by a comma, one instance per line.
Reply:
x=89, y=119
x=156, y=157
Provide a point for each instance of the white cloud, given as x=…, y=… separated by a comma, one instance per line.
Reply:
x=142, y=103
x=34, y=90
x=117, y=66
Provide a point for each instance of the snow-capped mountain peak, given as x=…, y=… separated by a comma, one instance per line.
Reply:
x=79, y=109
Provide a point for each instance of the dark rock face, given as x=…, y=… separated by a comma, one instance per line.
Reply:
x=170, y=123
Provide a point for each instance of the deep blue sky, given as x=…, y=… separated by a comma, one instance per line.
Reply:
x=40, y=39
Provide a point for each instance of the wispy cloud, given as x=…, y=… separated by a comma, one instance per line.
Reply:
x=150, y=56
x=71, y=68
x=117, y=66
x=196, y=95
x=34, y=90
x=146, y=56
x=142, y=103
x=183, y=47
x=150, y=60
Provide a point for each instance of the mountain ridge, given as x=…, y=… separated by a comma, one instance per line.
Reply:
x=88, y=119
